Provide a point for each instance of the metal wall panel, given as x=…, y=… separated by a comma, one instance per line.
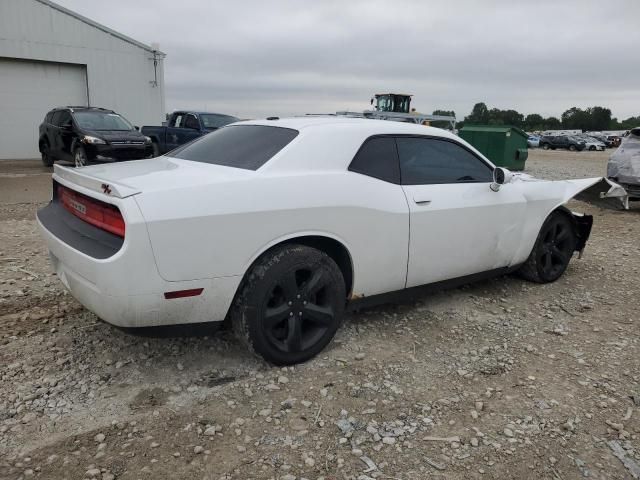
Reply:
x=119, y=70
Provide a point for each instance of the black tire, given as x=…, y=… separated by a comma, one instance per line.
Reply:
x=545, y=146
x=80, y=157
x=290, y=304
x=45, y=152
x=552, y=251
x=592, y=148
x=572, y=148
x=156, y=149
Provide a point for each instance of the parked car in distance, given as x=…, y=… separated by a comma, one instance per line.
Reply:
x=86, y=135
x=276, y=224
x=593, y=144
x=182, y=127
x=533, y=141
x=562, y=141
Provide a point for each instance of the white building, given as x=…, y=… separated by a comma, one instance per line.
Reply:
x=51, y=56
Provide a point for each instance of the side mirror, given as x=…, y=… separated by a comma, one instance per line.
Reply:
x=371, y=101
x=136, y=127
x=501, y=176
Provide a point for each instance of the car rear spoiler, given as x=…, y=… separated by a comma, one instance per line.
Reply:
x=106, y=187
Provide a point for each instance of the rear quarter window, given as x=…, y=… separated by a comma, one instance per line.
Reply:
x=239, y=146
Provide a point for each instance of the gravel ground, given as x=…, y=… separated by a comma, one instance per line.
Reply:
x=499, y=379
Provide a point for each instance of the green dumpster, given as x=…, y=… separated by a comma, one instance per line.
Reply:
x=504, y=145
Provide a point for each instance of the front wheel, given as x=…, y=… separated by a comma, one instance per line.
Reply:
x=545, y=146
x=290, y=304
x=552, y=251
x=80, y=157
x=156, y=149
x=572, y=148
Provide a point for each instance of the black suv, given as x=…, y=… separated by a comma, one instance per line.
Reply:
x=562, y=141
x=86, y=134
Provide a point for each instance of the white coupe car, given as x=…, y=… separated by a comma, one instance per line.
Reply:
x=277, y=224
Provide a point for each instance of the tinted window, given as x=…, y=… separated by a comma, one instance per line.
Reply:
x=48, y=118
x=239, y=146
x=55, y=120
x=378, y=158
x=192, y=122
x=429, y=161
x=210, y=120
x=176, y=121
x=64, y=118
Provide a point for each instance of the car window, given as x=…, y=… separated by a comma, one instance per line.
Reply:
x=48, y=117
x=211, y=120
x=177, y=121
x=64, y=118
x=238, y=146
x=191, y=122
x=426, y=161
x=378, y=158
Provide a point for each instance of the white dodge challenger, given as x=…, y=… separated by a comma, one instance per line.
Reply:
x=277, y=224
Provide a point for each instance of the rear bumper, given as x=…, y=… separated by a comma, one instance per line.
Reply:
x=125, y=289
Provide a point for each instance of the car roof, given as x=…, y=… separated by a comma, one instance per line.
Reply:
x=364, y=126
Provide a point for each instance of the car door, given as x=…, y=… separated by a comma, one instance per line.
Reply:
x=174, y=130
x=65, y=134
x=191, y=129
x=458, y=225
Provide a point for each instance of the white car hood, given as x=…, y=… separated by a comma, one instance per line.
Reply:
x=162, y=173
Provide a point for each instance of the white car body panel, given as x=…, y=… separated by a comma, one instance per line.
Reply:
x=196, y=225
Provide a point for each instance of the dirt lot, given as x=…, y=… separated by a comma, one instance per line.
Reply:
x=500, y=379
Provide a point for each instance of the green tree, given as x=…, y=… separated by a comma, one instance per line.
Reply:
x=533, y=121
x=479, y=115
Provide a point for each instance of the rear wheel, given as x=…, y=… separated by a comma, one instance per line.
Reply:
x=290, y=305
x=45, y=151
x=80, y=157
x=552, y=251
x=545, y=146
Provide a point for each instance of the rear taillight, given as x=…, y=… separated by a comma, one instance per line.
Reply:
x=100, y=214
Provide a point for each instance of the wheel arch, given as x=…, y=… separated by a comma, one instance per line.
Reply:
x=42, y=140
x=332, y=246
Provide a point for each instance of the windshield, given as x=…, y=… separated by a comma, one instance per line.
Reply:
x=210, y=120
x=101, y=121
x=238, y=146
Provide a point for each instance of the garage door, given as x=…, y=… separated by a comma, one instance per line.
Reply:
x=28, y=90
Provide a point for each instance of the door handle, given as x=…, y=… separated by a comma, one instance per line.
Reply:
x=420, y=201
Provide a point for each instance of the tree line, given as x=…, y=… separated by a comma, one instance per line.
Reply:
x=589, y=119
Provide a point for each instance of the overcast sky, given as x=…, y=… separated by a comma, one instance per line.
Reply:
x=255, y=58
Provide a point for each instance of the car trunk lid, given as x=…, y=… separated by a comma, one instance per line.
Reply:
x=125, y=179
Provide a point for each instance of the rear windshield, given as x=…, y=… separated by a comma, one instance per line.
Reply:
x=239, y=146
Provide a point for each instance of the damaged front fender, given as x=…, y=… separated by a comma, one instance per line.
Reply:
x=598, y=191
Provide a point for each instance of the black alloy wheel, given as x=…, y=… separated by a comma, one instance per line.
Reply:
x=298, y=313
x=290, y=305
x=552, y=251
